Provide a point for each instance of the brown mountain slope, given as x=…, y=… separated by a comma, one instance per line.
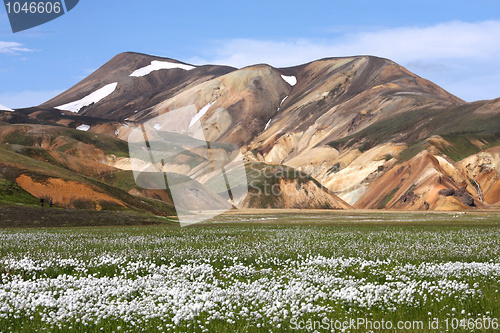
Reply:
x=240, y=103
x=278, y=186
x=416, y=185
x=337, y=97
x=69, y=167
x=68, y=189
x=484, y=171
x=371, y=133
x=133, y=93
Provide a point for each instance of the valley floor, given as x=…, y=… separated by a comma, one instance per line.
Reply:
x=275, y=272
x=21, y=216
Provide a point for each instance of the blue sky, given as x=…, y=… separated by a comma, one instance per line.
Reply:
x=455, y=44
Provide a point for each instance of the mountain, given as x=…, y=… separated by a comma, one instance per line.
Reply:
x=129, y=92
x=359, y=131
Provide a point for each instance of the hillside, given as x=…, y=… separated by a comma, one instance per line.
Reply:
x=362, y=131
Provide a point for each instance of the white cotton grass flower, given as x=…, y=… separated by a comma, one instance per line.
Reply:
x=141, y=279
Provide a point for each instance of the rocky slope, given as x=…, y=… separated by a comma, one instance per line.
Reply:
x=362, y=131
x=133, y=92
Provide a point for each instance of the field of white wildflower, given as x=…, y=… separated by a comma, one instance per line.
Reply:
x=255, y=273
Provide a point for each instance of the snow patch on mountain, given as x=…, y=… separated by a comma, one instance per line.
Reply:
x=267, y=125
x=200, y=114
x=279, y=108
x=94, y=97
x=83, y=127
x=4, y=108
x=283, y=101
x=158, y=65
x=291, y=80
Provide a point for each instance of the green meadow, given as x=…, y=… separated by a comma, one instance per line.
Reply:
x=283, y=272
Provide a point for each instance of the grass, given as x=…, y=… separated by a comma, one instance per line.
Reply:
x=123, y=179
x=107, y=144
x=413, y=149
x=388, y=157
x=15, y=164
x=36, y=153
x=388, y=198
x=20, y=216
x=459, y=130
x=22, y=162
x=254, y=273
x=264, y=182
x=21, y=135
x=463, y=147
x=10, y=192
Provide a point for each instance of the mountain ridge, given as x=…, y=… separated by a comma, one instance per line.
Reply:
x=349, y=123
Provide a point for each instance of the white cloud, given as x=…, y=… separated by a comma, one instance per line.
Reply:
x=23, y=99
x=442, y=53
x=450, y=40
x=13, y=47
